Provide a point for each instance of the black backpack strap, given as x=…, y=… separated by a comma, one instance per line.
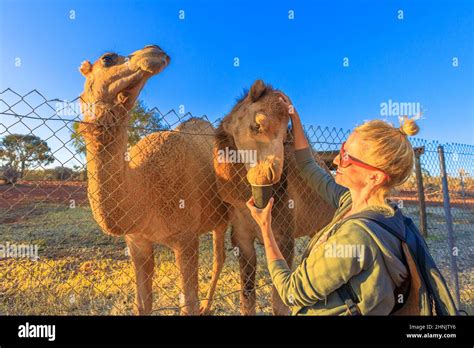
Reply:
x=349, y=298
x=381, y=221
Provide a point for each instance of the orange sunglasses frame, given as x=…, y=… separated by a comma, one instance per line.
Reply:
x=346, y=160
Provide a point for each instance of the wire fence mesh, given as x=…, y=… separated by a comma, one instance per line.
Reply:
x=56, y=203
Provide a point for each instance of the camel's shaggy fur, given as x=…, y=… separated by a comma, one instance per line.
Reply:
x=297, y=211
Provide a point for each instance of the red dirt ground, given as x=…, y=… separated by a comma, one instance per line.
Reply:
x=25, y=192
x=456, y=200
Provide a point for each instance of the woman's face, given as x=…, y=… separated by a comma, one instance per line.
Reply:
x=353, y=176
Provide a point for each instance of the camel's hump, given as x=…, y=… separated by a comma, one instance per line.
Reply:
x=196, y=125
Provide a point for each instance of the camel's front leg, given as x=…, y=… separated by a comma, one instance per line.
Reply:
x=217, y=265
x=245, y=251
x=143, y=261
x=187, y=253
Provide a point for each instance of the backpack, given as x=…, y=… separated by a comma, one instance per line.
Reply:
x=425, y=292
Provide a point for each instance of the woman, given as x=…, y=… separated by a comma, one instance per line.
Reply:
x=356, y=255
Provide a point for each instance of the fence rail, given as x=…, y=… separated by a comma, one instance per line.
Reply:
x=55, y=259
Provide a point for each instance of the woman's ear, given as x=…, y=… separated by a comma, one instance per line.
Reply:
x=376, y=178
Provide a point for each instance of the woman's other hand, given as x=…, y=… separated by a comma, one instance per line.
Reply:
x=263, y=217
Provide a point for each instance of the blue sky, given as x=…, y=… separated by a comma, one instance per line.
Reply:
x=408, y=60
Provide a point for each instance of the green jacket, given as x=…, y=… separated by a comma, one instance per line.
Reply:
x=350, y=254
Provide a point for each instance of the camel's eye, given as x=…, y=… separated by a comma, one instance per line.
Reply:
x=255, y=128
x=108, y=60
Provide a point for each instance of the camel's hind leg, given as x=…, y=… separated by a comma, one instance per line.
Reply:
x=186, y=251
x=217, y=265
x=143, y=261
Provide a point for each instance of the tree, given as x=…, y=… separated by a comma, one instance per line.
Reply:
x=143, y=121
x=63, y=173
x=9, y=175
x=20, y=152
x=424, y=171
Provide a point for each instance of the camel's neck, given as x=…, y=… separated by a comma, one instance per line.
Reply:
x=231, y=177
x=223, y=139
x=109, y=176
x=224, y=142
x=106, y=157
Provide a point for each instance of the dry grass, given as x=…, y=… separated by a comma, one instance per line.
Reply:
x=81, y=271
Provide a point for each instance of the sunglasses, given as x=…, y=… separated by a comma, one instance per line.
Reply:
x=345, y=160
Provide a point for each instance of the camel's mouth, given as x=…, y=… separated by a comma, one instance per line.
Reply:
x=116, y=80
x=135, y=70
x=265, y=172
x=151, y=59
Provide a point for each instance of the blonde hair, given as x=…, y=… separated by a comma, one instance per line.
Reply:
x=390, y=150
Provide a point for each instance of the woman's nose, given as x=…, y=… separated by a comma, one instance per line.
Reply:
x=336, y=160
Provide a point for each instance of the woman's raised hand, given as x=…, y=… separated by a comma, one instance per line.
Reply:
x=285, y=100
x=298, y=132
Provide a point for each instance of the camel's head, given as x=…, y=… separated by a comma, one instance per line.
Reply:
x=258, y=125
x=117, y=80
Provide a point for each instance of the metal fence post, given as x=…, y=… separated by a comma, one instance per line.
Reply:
x=449, y=223
x=421, y=192
x=461, y=175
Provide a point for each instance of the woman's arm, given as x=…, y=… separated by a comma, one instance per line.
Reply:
x=315, y=176
x=324, y=270
x=318, y=179
x=298, y=132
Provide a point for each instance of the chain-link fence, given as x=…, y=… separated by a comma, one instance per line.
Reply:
x=57, y=202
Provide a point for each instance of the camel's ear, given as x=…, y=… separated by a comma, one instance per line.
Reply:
x=257, y=89
x=85, y=68
x=122, y=98
x=225, y=126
